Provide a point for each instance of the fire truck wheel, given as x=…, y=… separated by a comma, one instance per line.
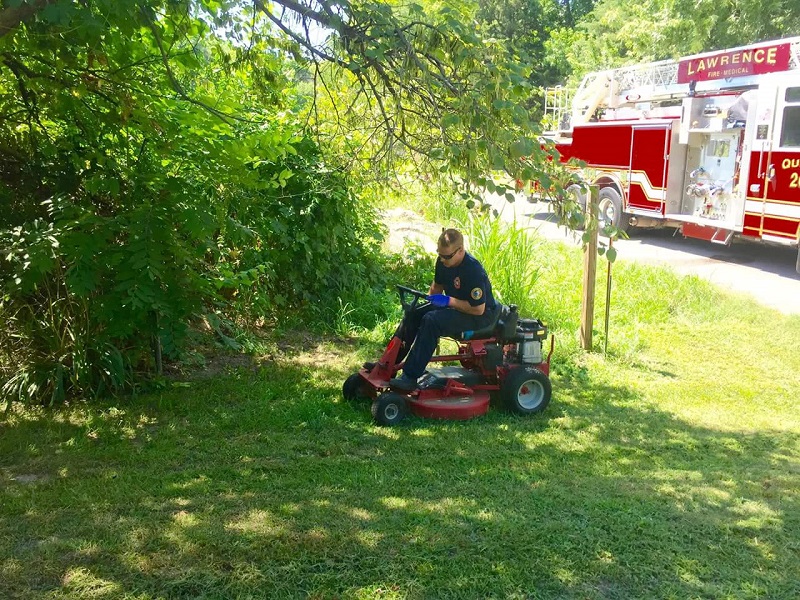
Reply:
x=610, y=209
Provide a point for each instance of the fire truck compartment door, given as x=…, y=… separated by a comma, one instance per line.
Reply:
x=772, y=210
x=648, y=171
x=782, y=200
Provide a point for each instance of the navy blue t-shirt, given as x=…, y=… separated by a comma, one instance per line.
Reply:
x=468, y=281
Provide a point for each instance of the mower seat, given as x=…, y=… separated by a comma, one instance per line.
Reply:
x=503, y=325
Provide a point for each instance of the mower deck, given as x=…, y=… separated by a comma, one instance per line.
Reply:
x=457, y=409
x=436, y=378
x=448, y=393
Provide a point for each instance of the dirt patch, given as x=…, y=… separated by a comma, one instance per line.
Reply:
x=324, y=355
x=405, y=227
x=221, y=364
x=300, y=347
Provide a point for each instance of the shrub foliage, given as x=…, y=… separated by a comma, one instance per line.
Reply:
x=138, y=193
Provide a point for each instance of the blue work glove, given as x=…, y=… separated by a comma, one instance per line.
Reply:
x=440, y=300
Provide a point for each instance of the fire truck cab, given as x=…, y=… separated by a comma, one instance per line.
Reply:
x=709, y=143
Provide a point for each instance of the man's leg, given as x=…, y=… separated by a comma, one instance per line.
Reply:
x=435, y=324
x=409, y=328
x=407, y=332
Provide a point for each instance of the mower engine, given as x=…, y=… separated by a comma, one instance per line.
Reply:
x=530, y=335
x=517, y=342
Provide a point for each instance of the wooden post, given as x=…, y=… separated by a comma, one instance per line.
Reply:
x=608, y=296
x=589, y=272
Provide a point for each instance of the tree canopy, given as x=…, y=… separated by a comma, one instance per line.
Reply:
x=617, y=33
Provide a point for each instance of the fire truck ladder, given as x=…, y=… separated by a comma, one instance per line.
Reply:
x=616, y=87
x=557, y=105
x=649, y=82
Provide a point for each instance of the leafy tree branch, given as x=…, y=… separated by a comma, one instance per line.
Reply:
x=12, y=15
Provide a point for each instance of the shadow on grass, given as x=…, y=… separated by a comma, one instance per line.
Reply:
x=268, y=485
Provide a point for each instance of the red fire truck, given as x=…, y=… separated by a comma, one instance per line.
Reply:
x=708, y=143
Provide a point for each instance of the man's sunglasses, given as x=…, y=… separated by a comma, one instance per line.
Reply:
x=451, y=255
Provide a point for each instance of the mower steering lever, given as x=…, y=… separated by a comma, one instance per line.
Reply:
x=416, y=294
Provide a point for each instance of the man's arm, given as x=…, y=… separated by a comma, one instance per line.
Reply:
x=467, y=308
x=460, y=305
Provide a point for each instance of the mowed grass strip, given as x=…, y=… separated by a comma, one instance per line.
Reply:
x=669, y=468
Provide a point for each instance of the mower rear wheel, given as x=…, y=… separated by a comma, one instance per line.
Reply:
x=354, y=388
x=389, y=409
x=526, y=391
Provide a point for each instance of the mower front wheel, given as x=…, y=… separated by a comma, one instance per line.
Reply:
x=354, y=388
x=526, y=391
x=389, y=409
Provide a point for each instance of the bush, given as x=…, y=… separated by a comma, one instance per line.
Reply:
x=106, y=274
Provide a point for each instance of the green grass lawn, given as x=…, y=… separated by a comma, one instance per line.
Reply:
x=669, y=468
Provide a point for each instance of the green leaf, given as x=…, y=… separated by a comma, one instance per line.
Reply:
x=518, y=150
x=55, y=14
x=450, y=120
x=497, y=161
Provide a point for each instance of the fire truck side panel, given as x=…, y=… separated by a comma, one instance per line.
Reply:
x=785, y=180
x=635, y=153
x=775, y=211
x=601, y=145
x=648, y=172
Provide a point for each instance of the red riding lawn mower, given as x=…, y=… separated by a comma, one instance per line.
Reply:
x=504, y=360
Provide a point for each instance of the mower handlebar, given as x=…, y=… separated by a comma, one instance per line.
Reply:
x=416, y=294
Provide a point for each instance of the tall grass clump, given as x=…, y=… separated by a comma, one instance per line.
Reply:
x=642, y=298
x=542, y=278
x=545, y=280
x=508, y=253
x=648, y=294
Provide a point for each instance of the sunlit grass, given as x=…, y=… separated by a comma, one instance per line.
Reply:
x=667, y=468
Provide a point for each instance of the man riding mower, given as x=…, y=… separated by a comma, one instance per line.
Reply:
x=504, y=359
